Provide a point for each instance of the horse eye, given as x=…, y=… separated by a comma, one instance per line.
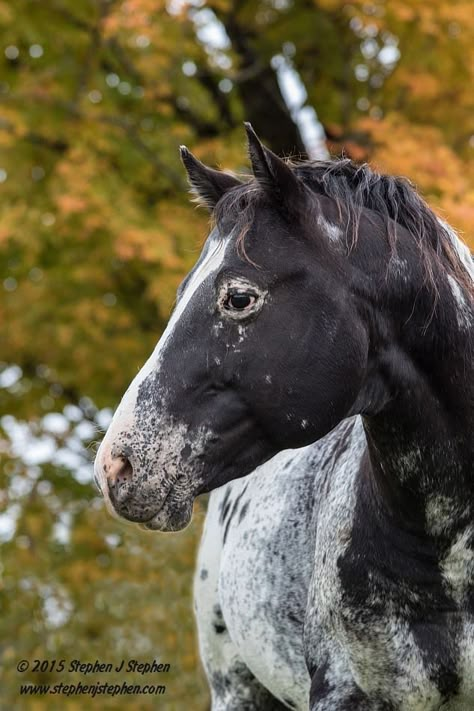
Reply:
x=239, y=301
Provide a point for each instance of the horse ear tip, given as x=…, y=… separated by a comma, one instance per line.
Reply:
x=249, y=129
x=184, y=152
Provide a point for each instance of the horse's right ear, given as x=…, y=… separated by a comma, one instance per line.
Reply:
x=276, y=176
x=207, y=184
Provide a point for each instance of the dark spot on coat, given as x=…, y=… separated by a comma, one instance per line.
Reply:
x=320, y=688
x=225, y=511
x=225, y=505
x=226, y=530
x=243, y=511
x=186, y=451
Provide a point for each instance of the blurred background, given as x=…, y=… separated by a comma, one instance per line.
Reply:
x=96, y=232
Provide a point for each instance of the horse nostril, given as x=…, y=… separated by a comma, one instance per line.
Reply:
x=119, y=472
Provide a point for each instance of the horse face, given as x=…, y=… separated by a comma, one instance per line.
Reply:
x=254, y=360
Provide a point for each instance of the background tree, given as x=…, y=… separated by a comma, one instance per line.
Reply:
x=96, y=232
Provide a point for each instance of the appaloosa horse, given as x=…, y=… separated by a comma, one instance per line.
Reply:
x=320, y=359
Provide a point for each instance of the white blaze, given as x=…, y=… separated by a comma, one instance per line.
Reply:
x=123, y=420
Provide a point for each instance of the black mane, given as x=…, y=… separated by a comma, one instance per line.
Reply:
x=354, y=188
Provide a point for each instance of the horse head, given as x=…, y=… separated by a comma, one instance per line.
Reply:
x=265, y=350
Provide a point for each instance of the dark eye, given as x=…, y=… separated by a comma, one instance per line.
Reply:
x=239, y=301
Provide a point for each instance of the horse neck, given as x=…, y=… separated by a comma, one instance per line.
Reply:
x=421, y=457
x=418, y=406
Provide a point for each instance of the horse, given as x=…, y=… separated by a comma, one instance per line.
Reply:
x=316, y=376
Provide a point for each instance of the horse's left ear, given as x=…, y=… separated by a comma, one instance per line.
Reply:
x=208, y=185
x=274, y=175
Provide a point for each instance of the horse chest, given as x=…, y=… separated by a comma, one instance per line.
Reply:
x=264, y=575
x=264, y=622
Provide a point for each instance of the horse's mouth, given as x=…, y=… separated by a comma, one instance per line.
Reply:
x=173, y=515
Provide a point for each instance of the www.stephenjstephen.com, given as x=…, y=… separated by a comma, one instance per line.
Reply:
x=98, y=689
